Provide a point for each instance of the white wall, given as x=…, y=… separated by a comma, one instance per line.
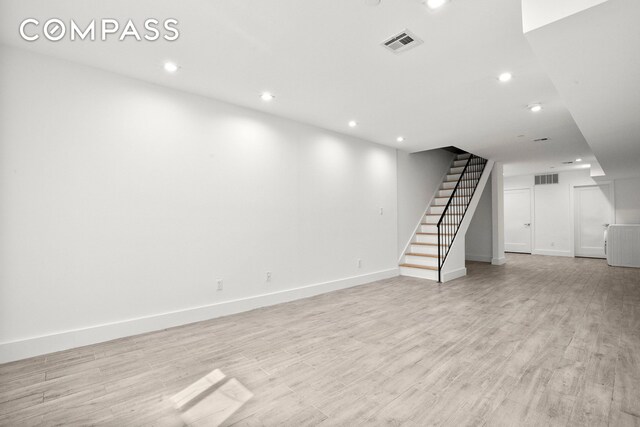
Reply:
x=627, y=201
x=479, y=237
x=497, y=207
x=123, y=202
x=552, y=222
x=419, y=177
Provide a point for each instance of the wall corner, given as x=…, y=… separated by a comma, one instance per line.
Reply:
x=497, y=209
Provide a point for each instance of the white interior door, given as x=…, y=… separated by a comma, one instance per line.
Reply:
x=593, y=212
x=517, y=220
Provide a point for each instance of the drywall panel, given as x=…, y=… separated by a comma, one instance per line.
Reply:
x=479, y=237
x=627, y=194
x=419, y=177
x=538, y=13
x=553, y=221
x=122, y=200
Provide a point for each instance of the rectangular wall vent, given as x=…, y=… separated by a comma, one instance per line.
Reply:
x=549, y=178
x=402, y=41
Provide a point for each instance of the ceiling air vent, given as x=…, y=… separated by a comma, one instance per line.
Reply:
x=401, y=42
x=549, y=178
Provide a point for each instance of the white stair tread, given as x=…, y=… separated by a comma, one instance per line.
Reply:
x=461, y=184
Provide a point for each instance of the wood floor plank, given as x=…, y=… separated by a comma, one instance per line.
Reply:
x=538, y=341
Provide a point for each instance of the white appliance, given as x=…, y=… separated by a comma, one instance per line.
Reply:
x=622, y=245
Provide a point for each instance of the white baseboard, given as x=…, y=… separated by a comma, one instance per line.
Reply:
x=450, y=275
x=21, y=349
x=498, y=261
x=479, y=258
x=551, y=252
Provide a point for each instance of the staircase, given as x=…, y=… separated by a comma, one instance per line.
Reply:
x=428, y=250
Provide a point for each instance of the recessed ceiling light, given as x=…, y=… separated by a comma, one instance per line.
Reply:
x=535, y=107
x=400, y=139
x=578, y=160
x=266, y=96
x=505, y=77
x=171, y=67
x=435, y=4
x=353, y=124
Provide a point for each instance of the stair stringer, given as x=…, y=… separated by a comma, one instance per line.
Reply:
x=455, y=264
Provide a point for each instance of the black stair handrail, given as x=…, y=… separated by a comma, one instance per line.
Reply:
x=454, y=213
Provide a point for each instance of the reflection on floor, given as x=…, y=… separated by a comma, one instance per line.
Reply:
x=538, y=341
x=210, y=400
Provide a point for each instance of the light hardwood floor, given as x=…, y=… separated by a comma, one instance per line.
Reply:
x=539, y=341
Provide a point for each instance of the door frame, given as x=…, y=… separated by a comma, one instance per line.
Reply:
x=572, y=208
x=532, y=201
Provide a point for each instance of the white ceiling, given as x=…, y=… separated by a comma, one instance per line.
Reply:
x=593, y=58
x=323, y=61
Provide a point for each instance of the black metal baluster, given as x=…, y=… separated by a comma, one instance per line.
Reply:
x=453, y=216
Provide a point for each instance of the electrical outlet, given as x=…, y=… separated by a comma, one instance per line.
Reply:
x=268, y=276
x=359, y=263
x=219, y=281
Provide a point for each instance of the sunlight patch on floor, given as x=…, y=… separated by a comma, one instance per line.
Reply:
x=210, y=400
